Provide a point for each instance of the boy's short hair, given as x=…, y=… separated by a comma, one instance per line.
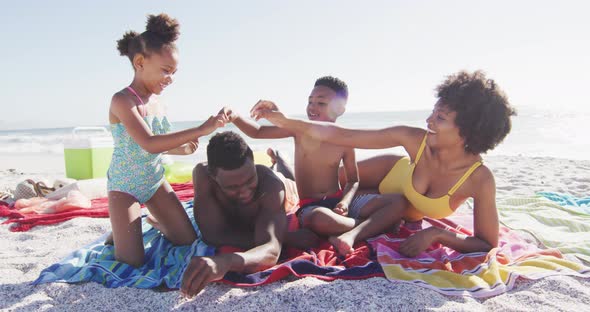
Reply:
x=228, y=151
x=335, y=84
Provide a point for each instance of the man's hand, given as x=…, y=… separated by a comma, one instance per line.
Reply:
x=341, y=209
x=418, y=242
x=201, y=271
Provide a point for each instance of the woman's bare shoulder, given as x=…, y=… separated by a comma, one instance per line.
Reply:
x=482, y=180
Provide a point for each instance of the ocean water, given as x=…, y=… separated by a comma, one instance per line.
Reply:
x=534, y=133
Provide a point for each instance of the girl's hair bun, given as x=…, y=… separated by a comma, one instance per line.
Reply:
x=163, y=26
x=123, y=43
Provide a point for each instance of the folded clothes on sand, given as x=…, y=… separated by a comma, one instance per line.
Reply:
x=40, y=205
x=99, y=208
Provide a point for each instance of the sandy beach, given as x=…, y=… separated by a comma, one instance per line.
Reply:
x=76, y=79
x=24, y=255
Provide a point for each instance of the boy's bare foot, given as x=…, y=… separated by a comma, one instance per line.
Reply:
x=342, y=244
x=302, y=239
x=280, y=163
x=273, y=156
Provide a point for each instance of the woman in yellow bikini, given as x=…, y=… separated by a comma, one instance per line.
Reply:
x=443, y=169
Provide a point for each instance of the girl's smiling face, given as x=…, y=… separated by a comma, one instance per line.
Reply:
x=157, y=69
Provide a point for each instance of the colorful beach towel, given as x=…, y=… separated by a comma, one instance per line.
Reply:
x=99, y=209
x=480, y=274
x=439, y=268
x=166, y=263
x=556, y=223
x=322, y=263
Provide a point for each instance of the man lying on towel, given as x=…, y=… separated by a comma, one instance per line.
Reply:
x=237, y=203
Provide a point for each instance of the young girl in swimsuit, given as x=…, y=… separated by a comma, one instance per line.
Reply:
x=444, y=167
x=141, y=135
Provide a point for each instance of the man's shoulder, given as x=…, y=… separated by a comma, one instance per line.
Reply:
x=200, y=172
x=199, y=168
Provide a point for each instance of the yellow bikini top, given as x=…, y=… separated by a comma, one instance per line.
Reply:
x=436, y=208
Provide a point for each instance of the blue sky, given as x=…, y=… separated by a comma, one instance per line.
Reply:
x=61, y=66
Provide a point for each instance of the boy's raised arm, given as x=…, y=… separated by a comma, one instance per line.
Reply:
x=255, y=130
x=330, y=132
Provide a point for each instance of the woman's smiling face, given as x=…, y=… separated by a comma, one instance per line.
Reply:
x=441, y=127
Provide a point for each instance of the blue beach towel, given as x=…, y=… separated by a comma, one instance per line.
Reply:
x=164, y=263
x=581, y=205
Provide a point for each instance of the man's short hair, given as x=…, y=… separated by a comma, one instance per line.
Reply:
x=228, y=151
x=335, y=84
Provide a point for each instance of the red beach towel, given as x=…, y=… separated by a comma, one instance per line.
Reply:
x=23, y=222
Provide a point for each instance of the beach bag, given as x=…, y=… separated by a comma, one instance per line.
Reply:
x=25, y=189
x=29, y=189
x=42, y=190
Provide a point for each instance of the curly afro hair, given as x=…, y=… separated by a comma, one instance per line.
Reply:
x=228, y=151
x=483, y=110
x=161, y=31
x=333, y=83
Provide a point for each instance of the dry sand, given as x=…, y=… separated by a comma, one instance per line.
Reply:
x=24, y=255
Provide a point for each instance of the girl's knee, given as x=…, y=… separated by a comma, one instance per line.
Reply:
x=184, y=242
x=181, y=238
x=187, y=239
x=136, y=260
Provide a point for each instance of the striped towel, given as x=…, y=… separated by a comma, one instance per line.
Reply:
x=555, y=226
x=164, y=263
x=478, y=274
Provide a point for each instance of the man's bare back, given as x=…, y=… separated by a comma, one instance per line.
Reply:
x=239, y=204
x=232, y=217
